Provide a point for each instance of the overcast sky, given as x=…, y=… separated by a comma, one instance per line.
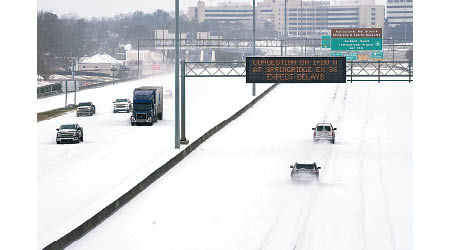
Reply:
x=109, y=8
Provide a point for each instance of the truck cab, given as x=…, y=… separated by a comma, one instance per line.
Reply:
x=85, y=108
x=147, y=105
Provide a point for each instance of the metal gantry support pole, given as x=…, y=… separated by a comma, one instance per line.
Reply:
x=409, y=70
x=379, y=71
x=253, y=44
x=177, y=76
x=66, y=95
x=74, y=83
x=393, y=50
x=351, y=71
x=285, y=29
x=281, y=47
x=183, y=139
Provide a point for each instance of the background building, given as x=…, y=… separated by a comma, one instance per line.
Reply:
x=227, y=11
x=399, y=12
x=311, y=19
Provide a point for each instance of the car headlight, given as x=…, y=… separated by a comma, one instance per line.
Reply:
x=58, y=134
x=74, y=133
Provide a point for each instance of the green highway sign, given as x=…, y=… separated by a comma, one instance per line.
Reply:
x=337, y=54
x=377, y=55
x=326, y=41
x=356, y=44
x=351, y=56
x=357, y=39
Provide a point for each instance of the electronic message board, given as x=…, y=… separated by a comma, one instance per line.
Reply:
x=295, y=69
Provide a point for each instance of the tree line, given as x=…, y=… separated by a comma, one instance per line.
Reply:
x=59, y=39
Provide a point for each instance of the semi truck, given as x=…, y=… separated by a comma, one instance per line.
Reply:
x=147, y=105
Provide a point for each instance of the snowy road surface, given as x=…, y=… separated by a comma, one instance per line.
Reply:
x=75, y=181
x=234, y=191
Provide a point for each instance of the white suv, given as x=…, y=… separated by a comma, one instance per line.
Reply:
x=324, y=131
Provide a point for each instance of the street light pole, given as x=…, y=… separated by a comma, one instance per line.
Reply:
x=139, y=75
x=285, y=28
x=253, y=44
x=74, y=83
x=177, y=75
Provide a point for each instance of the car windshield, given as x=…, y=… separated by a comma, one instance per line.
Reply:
x=142, y=106
x=68, y=126
x=121, y=100
x=84, y=104
x=304, y=166
x=323, y=128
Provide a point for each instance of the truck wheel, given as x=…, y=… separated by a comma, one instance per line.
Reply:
x=58, y=142
x=114, y=111
x=82, y=138
x=160, y=116
x=132, y=124
x=78, y=115
x=332, y=141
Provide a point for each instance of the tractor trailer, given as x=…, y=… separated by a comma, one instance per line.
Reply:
x=147, y=105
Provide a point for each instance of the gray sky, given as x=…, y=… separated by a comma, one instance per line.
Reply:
x=109, y=8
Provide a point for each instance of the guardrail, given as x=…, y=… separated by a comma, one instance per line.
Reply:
x=92, y=86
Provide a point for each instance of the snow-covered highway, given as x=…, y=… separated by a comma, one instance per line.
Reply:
x=75, y=181
x=234, y=191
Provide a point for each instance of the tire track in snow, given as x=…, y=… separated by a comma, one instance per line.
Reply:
x=77, y=154
x=267, y=237
x=329, y=155
x=386, y=200
x=300, y=235
x=362, y=206
x=363, y=213
x=302, y=224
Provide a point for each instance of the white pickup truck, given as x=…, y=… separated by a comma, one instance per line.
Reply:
x=122, y=105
